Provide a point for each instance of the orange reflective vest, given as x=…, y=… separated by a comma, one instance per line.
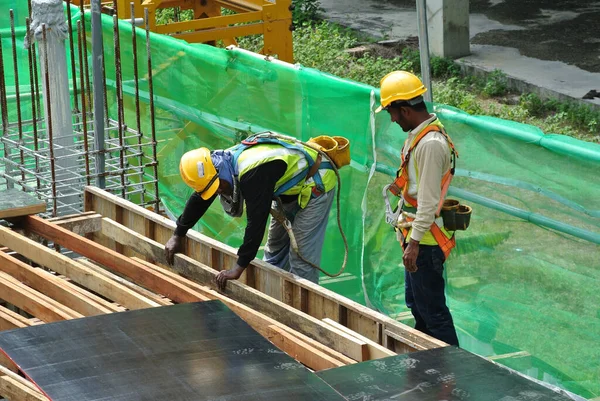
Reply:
x=445, y=239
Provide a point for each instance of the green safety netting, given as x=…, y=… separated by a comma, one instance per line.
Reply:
x=523, y=278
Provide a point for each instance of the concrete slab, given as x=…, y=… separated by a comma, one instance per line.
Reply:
x=550, y=47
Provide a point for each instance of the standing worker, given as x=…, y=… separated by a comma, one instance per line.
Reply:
x=428, y=157
x=258, y=171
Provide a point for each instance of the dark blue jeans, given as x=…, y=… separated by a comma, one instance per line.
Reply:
x=424, y=294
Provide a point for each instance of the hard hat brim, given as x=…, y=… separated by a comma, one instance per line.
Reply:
x=210, y=191
x=379, y=109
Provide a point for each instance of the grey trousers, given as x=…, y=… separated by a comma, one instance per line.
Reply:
x=308, y=225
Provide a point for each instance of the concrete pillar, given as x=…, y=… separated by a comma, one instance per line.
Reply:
x=49, y=13
x=448, y=22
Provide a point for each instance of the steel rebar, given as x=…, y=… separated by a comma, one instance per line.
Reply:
x=152, y=115
x=33, y=103
x=85, y=59
x=17, y=89
x=118, y=88
x=83, y=109
x=136, y=79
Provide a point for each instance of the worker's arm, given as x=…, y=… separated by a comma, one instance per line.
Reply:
x=193, y=211
x=433, y=160
x=257, y=187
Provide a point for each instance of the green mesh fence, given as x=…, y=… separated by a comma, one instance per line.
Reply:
x=524, y=277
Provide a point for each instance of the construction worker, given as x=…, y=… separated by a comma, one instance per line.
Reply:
x=422, y=181
x=255, y=172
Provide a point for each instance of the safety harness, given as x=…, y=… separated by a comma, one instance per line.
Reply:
x=311, y=171
x=409, y=208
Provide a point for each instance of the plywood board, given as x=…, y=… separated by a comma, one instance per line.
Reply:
x=195, y=351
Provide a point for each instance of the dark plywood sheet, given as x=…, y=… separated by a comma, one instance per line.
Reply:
x=196, y=351
x=447, y=373
x=16, y=203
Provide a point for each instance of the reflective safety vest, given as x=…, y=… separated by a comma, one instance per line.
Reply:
x=254, y=152
x=406, y=182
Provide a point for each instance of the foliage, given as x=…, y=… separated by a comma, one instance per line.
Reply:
x=305, y=12
x=496, y=84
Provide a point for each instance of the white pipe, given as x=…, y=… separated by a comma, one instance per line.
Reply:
x=424, y=48
x=50, y=14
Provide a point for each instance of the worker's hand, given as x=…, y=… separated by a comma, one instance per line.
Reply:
x=410, y=256
x=173, y=246
x=231, y=274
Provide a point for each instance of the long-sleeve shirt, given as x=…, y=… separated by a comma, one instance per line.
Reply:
x=257, y=187
x=433, y=160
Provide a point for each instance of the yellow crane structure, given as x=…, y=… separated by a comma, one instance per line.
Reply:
x=270, y=18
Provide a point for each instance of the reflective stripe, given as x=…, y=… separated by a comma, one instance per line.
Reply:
x=269, y=154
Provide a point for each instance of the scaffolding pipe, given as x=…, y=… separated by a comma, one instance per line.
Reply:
x=424, y=48
x=98, y=79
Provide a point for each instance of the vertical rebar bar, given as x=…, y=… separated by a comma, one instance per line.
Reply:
x=152, y=122
x=99, y=92
x=4, y=108
x=138, y=119
x=33, y=106
x=17, y=90
x=119, y=89
x=83, y=108
x=72, y=49
x=85, y=59
x=49, y=119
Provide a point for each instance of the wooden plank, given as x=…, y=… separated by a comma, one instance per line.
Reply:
x=11, y=320
x=112, y=260
x=83, y=224
x=206, y=250
x=315, y=344
x=301, y=351
x=405, y=345
x=519, y=354
x=14, y=389
x=68, y=267
x=7, y=363
x=6, y=372
x=200, y=273
x=16, y=203
x=112, y=307
x=376, y=351
x=31, y=301
x=134, y=287
x=50, y=285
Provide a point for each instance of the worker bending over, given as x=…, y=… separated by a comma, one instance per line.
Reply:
x=256, y=172
x=427, y=167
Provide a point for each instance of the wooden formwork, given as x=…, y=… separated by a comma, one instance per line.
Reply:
x=117, y=264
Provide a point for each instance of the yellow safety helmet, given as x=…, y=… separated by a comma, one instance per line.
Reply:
x=400, y=85
x=198, y=172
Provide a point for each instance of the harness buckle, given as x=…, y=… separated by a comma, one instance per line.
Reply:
x=316, y=191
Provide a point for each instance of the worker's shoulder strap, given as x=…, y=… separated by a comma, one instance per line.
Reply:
x=297, y=178
x=427, y=130
x=265, y=139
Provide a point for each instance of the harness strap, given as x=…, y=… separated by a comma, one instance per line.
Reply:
x=311, y=172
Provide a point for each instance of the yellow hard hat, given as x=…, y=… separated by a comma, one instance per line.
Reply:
x=400, y=85
x=198, y=172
